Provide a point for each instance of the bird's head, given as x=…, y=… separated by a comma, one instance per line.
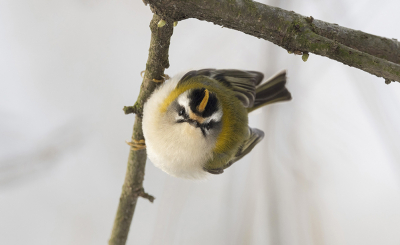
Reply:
x=200, y=109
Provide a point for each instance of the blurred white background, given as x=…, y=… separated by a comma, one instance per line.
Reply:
x=327, y=172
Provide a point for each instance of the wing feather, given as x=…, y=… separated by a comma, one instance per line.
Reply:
x=243, y=83
x=255, y=136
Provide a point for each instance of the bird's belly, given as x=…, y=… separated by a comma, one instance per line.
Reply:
x=175, y=150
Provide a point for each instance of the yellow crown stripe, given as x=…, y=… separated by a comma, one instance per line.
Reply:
x=174, y=94
x=203, y=103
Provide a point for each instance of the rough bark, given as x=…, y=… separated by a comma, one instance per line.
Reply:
x=133, y=186
x=294, y=32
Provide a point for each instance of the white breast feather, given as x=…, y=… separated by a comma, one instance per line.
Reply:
x=178, y=149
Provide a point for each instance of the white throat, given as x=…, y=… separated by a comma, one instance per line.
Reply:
x=179, y=149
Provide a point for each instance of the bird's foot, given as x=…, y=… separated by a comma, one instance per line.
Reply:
x=137, y=145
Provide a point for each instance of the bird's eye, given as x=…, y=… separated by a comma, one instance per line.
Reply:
x=181, y=111
x=209, y=125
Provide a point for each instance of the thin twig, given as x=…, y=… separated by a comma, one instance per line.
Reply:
x=133, y=186
x=129, y=109
x=146, y=195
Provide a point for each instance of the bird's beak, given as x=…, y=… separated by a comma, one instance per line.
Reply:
x=195, y=117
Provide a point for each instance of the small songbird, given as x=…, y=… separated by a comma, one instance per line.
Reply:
x=196, y=123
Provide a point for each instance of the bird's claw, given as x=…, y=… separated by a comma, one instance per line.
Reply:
x=137, y=145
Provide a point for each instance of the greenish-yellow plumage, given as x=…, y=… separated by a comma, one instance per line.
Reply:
x=198, y=122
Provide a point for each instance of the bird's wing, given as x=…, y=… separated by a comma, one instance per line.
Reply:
x=271, y=91
x=243, y=83
x=255, y=136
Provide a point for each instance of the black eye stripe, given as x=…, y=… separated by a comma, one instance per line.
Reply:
x=208, y=125
x=204, y=127
x=203, y=131
x=181, y=110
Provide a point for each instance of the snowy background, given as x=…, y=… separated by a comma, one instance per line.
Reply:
x=327, y=172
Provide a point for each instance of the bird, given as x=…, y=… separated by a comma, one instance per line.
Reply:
x=196, y=123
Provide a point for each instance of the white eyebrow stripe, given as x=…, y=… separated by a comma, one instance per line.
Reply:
x=183, y=100
x=216, y=116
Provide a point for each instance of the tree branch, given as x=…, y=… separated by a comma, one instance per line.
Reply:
x=381, y=47
x=133, y=186
x=293, y=32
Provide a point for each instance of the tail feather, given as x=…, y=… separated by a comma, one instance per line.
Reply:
x=271, y=91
